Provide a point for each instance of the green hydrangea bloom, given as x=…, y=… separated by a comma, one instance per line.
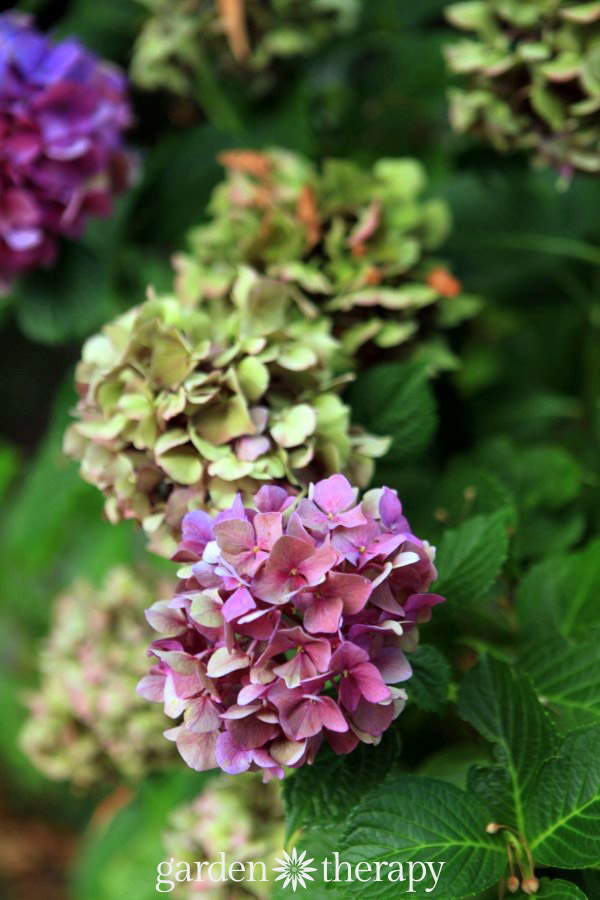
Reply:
x=243, y=39
x=240, y=817
x=86, y=721
x=354, y=243
x=533, y=70
x=184, y=403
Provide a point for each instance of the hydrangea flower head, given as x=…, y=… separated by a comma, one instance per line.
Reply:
x=532, y=70
x=184, y=404
x=245, y=40
x=86, y=723
x=269, y=648
x=358, y=244
x=62, y=116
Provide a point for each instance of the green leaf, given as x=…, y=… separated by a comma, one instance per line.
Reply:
x=505, y=710
x=414, y=818
x=563, y=805
x=566, y=676
x=326, y=791
x=470, y=558
x=557, y=889
x=566, y=590
x=428, y=687
x=396, y=399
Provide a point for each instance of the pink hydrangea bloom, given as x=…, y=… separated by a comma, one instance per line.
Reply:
x=289, y=627
x=62, y=116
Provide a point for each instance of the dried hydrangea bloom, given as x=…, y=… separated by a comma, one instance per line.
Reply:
x=533, y=69
x=247, y=40
x=184, y=405
x=290, y=626
x=356, y=243
x=86, y=721
x=243, y=819
x=62, y=116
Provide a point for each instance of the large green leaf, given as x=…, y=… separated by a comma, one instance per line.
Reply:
x=505, y=710
x=415, y=819
x=396, y=399
x=325, y=792
x=561, y=595
x=566, y=676
x=470, y=557
x=428, y=687
x=563, y=805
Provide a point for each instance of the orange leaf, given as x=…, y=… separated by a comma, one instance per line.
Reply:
x=308, y=215
x=232, y=14
x=250, y=161
x=442, y=281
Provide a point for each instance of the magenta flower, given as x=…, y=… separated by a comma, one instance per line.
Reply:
x=62, y=115
x=289, y=628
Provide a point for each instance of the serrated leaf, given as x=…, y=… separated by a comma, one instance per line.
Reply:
x=470, y=557
x=325, y=792
x=428, y=686
x=566, y=676
x=563, y=805
x=505, y=710
x=414, y=818
x=396, y=399
x=566, y=589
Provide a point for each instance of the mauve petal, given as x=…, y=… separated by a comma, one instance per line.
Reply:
x=353, y=518
x=234, y=537
x=230, y=758
x=323, y=616
x=238, y=604
x=393, y=665
x=198, y=750
x=334, y=494
x=304, y=720
x=332, y=716
x=152, y=687
x=201, y=716
x=268, y=528
x=312, y=517
x=370, y=683
x=316, y=566
x=247, y=734
x=349, y=693
x=373, y=718
x=342, y=743
x=271, y=498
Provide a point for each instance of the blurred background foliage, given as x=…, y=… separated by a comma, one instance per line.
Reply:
x=512, y=432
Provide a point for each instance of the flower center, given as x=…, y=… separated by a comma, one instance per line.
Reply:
x=362, y=548
x=294, y=571
x=256, y=548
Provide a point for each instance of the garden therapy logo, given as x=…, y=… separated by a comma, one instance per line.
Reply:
x=294, y=870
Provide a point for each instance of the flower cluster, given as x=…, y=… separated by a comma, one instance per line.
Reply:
x=243, y=819
x=183, y=405
x=246, y=40
x=62, y=114
x=534, y=78
x=289, y=625
x=86, y=722
x=356, y=243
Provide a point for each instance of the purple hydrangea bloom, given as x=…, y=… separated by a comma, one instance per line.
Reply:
x=290, y=626
x=62, y=115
